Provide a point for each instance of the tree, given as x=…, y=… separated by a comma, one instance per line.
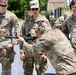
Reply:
x=18, y=6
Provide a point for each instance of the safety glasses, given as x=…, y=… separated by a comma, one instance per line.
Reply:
x=34, y=9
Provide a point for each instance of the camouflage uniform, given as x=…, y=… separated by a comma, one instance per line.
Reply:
x=58, y=48
x=73, y=37
x=58, y=22
x=27, y=28
x=68, y=27
x=50, y=16
x=7, y=21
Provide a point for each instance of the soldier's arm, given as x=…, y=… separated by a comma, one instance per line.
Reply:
x=41, y=45
x=22, y=34
x=47, y=21
x=64, y=28
x=57, y=24
x=33, y=48
x=73, y=37
x=15, y=24
x=23, y=29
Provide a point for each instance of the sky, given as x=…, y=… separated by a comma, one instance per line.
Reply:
x=68, y=1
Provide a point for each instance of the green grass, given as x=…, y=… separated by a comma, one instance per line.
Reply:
x=21, y=20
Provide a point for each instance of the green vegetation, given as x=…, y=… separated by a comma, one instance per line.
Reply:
x=19, y=6
x=20, y=20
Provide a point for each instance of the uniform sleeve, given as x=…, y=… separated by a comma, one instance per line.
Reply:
x=64, y=28
x=22, y=34
x=27, y=48
x=23, y=29
x=73, y=37
x=15, y=24
x=35, y=48
x=47, y=21
x=41, y=46
x=57, y=24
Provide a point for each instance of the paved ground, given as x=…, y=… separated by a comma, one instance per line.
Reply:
x=17, y=68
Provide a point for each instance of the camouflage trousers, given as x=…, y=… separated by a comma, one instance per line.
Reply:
x=40, y=66
x=6, y=59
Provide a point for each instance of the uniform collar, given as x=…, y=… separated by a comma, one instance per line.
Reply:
x=73, y=17
x=2, y=14
x=38, y=18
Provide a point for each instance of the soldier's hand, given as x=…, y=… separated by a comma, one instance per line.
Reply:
x=20, y=39
x=43, y=57
x=8, y=46
x=22, y=56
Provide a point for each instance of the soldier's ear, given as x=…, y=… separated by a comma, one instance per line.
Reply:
x=39, y=8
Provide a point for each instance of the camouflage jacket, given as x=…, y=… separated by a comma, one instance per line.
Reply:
x=58, y=23
x=8, y=20
x=68, y=25
x=58, y=49
x=73, y=37
x=28, y=26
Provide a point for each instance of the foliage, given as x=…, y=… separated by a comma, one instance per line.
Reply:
x=43, y=4
x=43, y=12
x=18, y=6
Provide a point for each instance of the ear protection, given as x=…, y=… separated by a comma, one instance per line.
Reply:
x=41, y=28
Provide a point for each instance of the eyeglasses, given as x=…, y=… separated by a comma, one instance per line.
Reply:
x=3, y=5
x=34, y=9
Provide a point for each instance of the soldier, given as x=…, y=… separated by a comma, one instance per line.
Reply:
x=26, y=16
x=70, y=21
x=7, y=21
x=73, y=37
x=69, y=24
x=50, y=16
x=56, y=45
x=58, y=23
x=27, y=29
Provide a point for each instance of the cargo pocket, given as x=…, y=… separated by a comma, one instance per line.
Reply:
x=1, y=52
x=10, y=53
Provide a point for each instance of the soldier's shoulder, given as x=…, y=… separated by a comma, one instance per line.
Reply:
x=29, y=18
x=57, y=31
x=9, y=13
x=69, y=18
x=42, y=17
x=61, y=18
